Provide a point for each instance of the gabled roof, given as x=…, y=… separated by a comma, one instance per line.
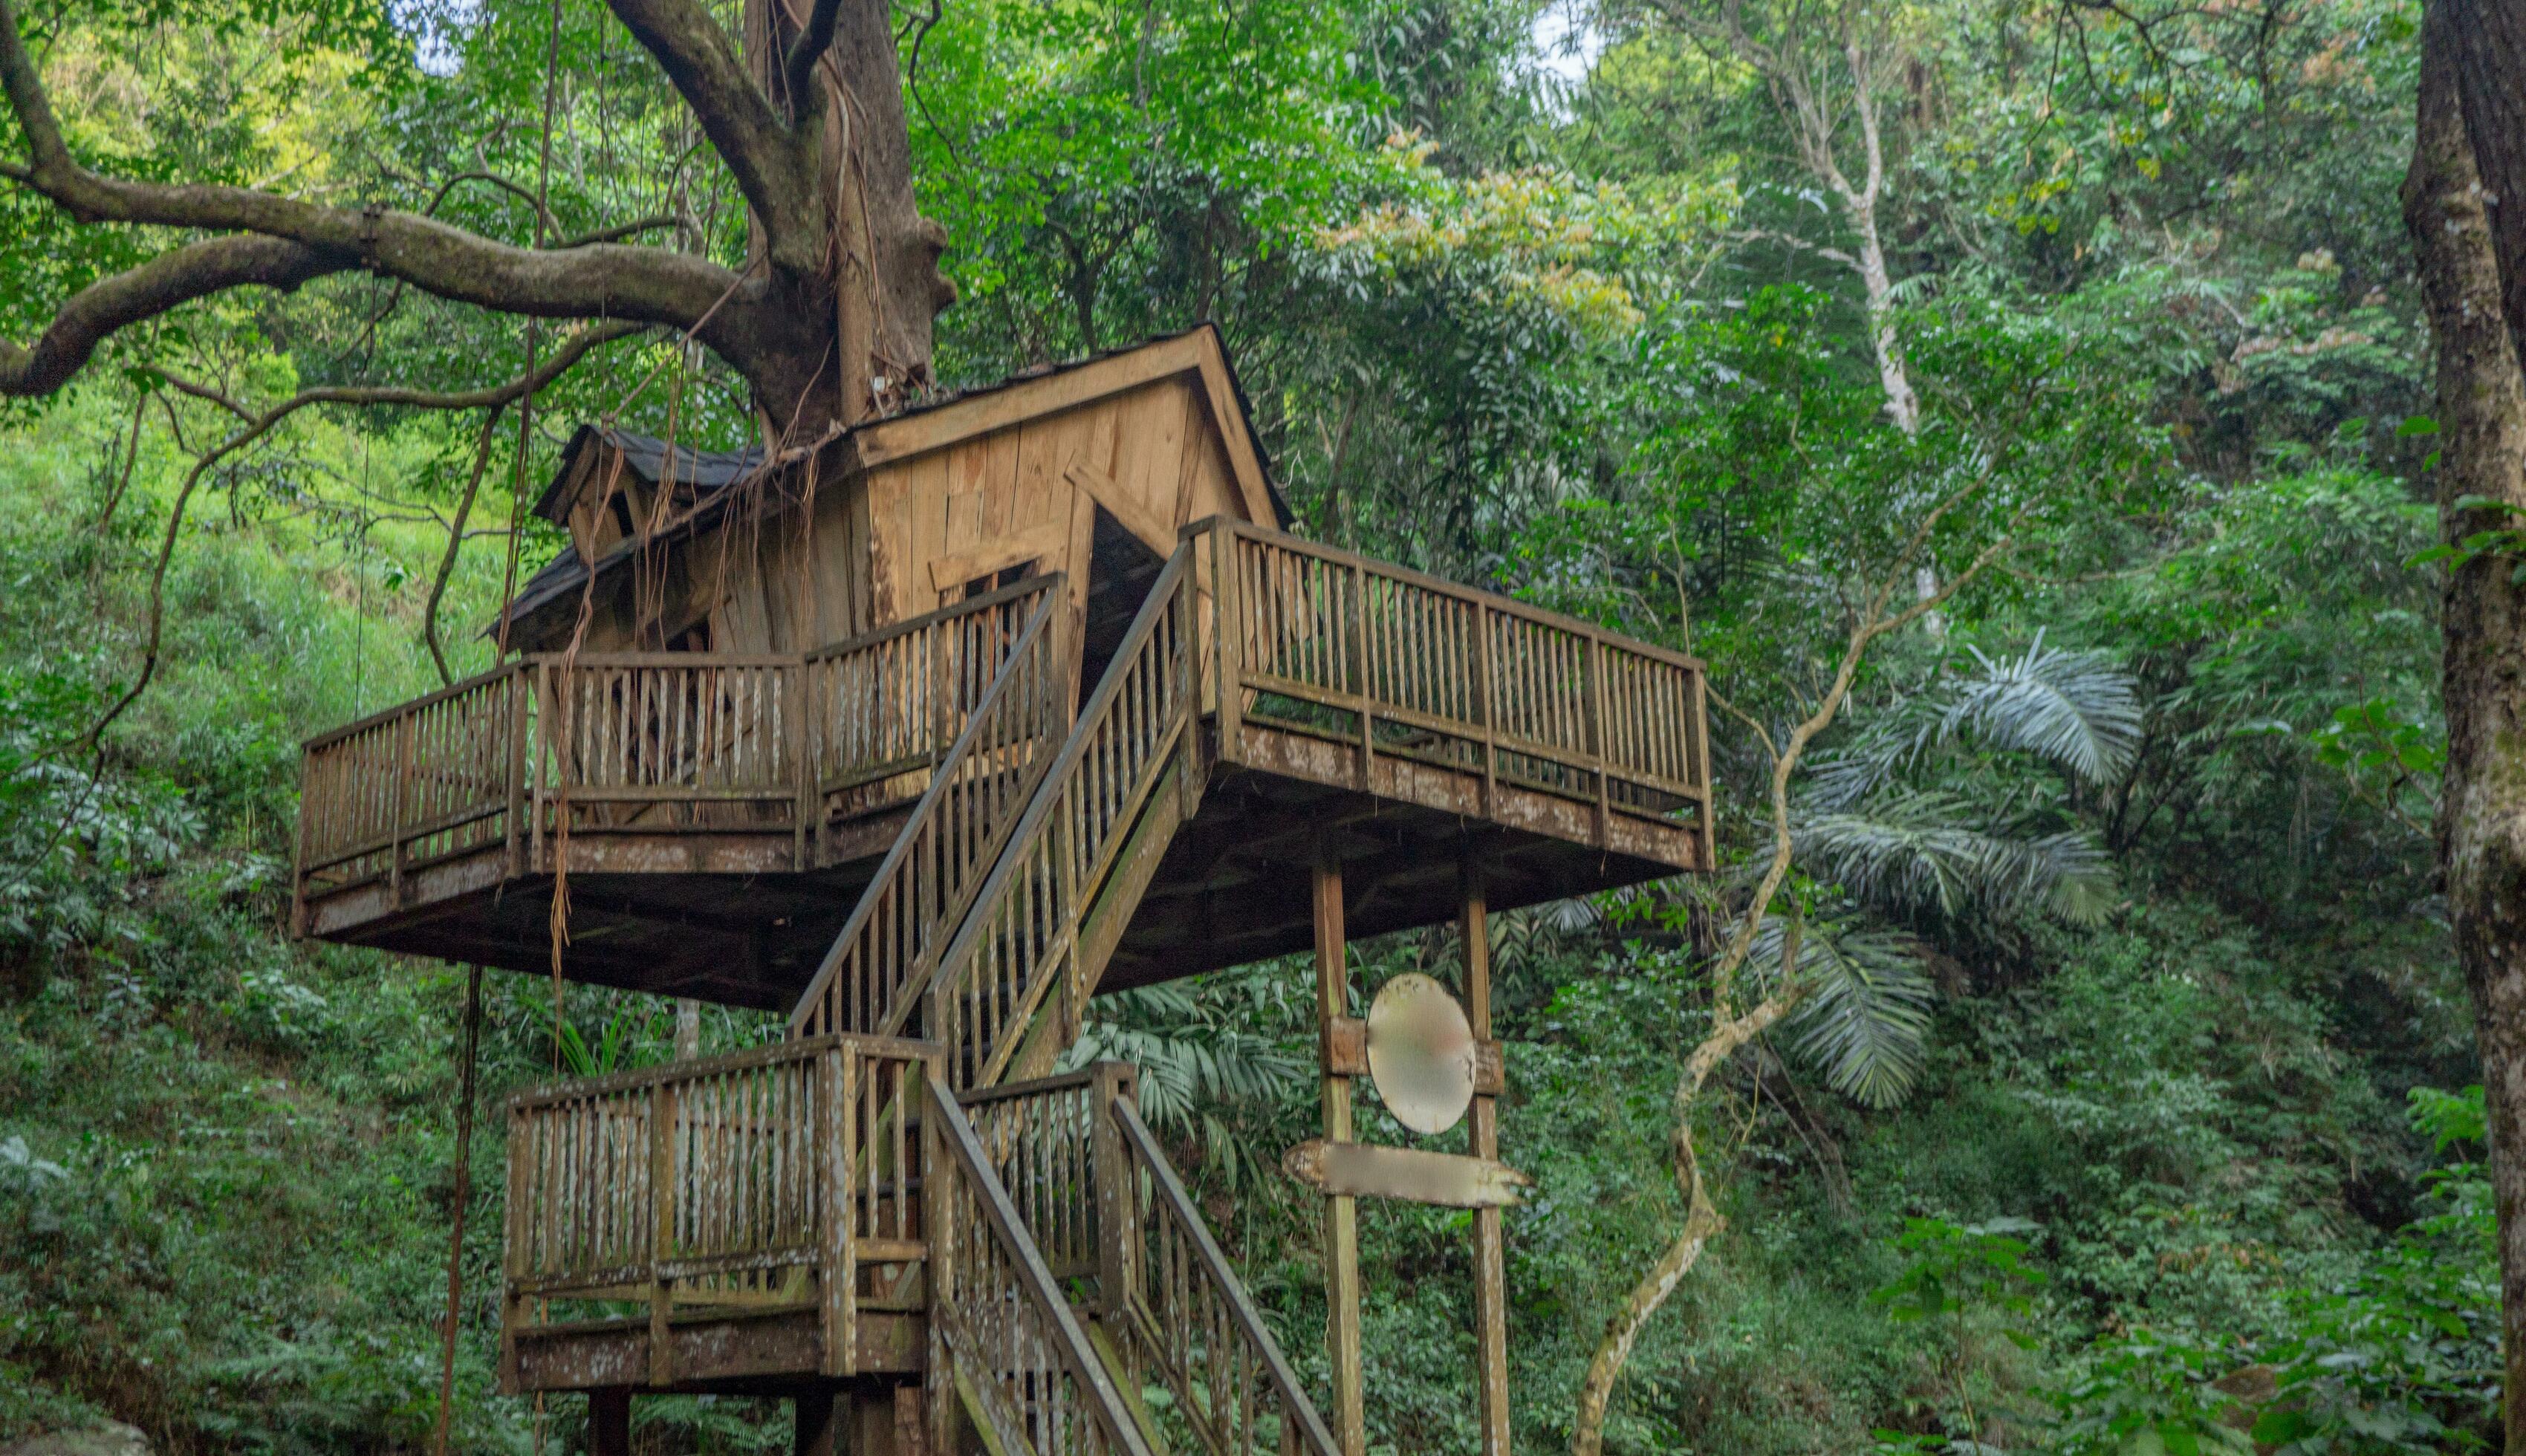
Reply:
x=697, y=473
x=702, y=480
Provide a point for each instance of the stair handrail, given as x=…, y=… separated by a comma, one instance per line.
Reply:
x=1080, y=865
x=1025, y=1308
x=1172, y=1200
x=1022, y=684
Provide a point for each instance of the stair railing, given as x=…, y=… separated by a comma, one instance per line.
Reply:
x=1001, y=1327
x=1022, y=939
x=1189, y=1318
x=871, y=977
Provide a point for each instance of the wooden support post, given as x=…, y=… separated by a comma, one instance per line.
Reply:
x=1491, y=1256
x=1118, y=1212
x=609, y=1423
x=879, y=1422
x=1341, y=1212
x=817, y=1431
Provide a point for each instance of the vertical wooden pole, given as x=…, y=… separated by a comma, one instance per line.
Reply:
x=1490, y=1257
x=1118, y=1212
x=471, y=1037
x=816, y=1428
x=609, y=1423
x=1341, y=1212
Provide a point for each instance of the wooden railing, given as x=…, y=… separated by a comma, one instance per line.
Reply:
x=1327, y=643
x=1019, y=942
x=1000, y=1327
x=871, y=977
x=417, y=782
x=1054, y=1150
x=1188, y=1318
x=658, y=742
x=767, y=1179
x=894, y=701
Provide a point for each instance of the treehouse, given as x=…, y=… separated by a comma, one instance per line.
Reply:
x=926, y=735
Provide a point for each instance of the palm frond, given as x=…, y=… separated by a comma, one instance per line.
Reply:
x=2075, y=710
x=1865, y=1021
x=1921, y=851
x=1192, y=1066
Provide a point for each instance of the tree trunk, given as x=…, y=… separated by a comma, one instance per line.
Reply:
x=879, y=275
x=1902, y=406
x=2482, y=825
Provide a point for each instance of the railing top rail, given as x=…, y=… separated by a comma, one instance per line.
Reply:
x=942, y=781
x=799, y=1049
x=410, y=705
x=1039, y=1086
x=1121, y=1432
x=985, y=602
x=982, y=603
x=1506, y=605
x=663, y=658
x=1294, y=1404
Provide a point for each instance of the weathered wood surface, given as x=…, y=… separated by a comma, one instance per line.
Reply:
x=1396, y=665
x=770, y=1179
x=654, y=745
x=1191, y=1323
x=880, y=962
x=1042, y=1138
x=1013, y=977
x=1000, y=1317
x=1358, y=1170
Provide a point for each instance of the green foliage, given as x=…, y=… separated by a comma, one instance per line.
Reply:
x=2119, y=931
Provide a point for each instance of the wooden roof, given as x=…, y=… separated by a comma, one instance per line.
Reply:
x=703, y=480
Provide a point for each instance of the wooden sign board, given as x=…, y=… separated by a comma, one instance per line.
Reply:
x=1361, y=1169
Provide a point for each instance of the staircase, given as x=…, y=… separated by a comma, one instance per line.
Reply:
x=983, y=933
x=901, y=1191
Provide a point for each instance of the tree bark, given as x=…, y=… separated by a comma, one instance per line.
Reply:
x=2485, y=47
x=2482, y=825
x=881, y=262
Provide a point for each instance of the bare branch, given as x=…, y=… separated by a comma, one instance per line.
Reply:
x=456, y=543
x=570, y=353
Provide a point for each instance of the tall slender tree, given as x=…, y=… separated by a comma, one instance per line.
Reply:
x=2468, y=162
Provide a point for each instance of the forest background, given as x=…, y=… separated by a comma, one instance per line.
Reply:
x=2135, y=1110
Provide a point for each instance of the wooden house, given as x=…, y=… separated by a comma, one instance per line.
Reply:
x=1091, y=470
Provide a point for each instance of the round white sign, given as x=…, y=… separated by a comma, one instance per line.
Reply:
x=1421, y=1053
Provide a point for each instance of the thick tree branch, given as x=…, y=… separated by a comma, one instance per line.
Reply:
x=259, y=426
x=600, y=281
x=192, y=272
x=773, y=166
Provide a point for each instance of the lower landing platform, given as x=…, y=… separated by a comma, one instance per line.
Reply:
x=768, y=1352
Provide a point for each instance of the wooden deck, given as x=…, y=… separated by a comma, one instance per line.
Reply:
x=716, y=818
x=1046, y=1250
